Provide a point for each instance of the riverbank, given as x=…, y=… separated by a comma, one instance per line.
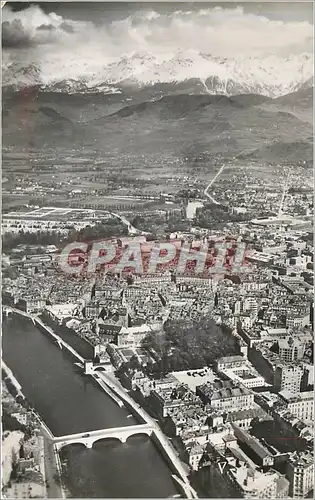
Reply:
x=53, y=359
x=114, y=390
x=108, y=391
x=167, y=448
x=18, y=387
x=12, y=378
x=50, y=479
x=11, y=443
x=41, y=325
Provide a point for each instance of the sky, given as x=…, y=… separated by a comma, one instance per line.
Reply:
x=265, y=47
x=278, y=10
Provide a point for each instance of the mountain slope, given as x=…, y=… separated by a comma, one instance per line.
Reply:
x=296, y=152
x=252, y=126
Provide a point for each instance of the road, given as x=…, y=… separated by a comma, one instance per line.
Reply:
x=115, y=386
x=37, y=320
x=59, y=340
x=131, y=228
x=53, y=482
x=210, y=184
x=18, y=311
x=124, y=396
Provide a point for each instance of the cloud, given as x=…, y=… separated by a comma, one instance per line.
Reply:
x=258, y=54
x=14, y=35
x=27, y=27
x=46, y=27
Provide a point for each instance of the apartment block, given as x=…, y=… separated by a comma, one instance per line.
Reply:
x=300, y=472
x=288, y=377
x=300, y=405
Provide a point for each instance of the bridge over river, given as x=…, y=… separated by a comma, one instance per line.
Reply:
x=149, y=427
x=89, y=438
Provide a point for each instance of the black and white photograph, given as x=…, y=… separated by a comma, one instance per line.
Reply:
x=157, y=250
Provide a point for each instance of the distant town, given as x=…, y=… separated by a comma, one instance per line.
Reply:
x=218, y=367
x=157, y=250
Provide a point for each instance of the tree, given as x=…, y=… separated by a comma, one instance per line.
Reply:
x=216, y=300
x=134, y=363
x=130, y=280
x=138, y=221
x=261, y=313
x=14, y=465
x=22, y=453
x=10, y=423
x=189, y=345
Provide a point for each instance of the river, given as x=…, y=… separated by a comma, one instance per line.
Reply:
x=70, y=402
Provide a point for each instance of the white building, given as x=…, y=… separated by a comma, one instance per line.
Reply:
x=59, y=312
x=247, y=320
x=230, y=362
x=240, y=371
x=300, y=472
x=297, y=320
x=300, y=405
x=194, y=452
x=250, y=304
x=133, y=336
x=20, y=417
x=254, y=484
x=288, y=377
x=291, y=349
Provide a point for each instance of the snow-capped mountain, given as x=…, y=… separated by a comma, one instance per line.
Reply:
x=217, y=50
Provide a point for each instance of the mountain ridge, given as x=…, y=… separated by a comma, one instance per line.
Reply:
x=226, y=126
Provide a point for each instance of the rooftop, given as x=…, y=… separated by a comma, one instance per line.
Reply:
x=253, y=443
x=295, y=398
x=231, y=359
x=221, y=389
x=248, y=477
x=195, y=378
x=289, y=343
x=251, y=413
x=303, y=459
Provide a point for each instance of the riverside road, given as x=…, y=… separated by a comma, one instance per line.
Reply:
x=69, y=403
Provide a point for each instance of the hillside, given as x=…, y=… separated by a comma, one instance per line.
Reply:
x=250, y=126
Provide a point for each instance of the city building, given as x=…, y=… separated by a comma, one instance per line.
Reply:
x=248, y=479
x=308, y=376
x=298, y=320
x=253, y=448
x=250, y=305
x=21, y=417
x=132, y=336
x=301, y=405
x=230, y=362
x=252, y=483
x=240, y=371
x=225, y=395
x=264, y=360
x=193, y=455
x=300, y=472
x=31, y=305
x=288, y=377
x=244, y=418
x=291, y=349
